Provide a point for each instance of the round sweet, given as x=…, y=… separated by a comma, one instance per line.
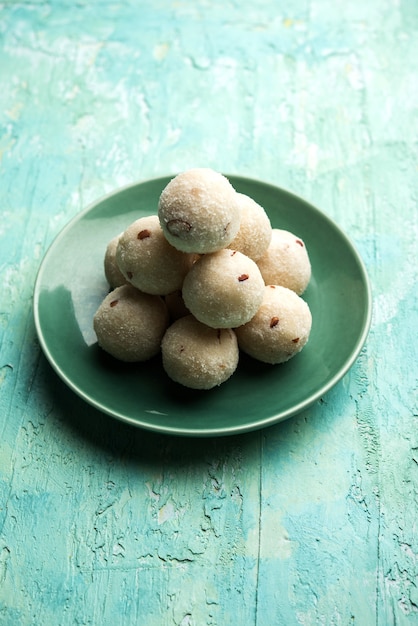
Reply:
x=199, y=211
x=254, y=235
x=286, y=262
x=130, y=324
x=223, y=289
x=280, y=328
x=148, y=261
x=197, y=356
x=114, y=276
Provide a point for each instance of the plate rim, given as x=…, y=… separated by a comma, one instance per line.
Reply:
x=206, y=432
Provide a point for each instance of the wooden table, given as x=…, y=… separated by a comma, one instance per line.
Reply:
x=312, y=521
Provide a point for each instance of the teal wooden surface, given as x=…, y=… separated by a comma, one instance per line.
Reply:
x=313, y=521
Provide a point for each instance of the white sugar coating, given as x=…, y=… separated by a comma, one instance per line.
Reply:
x=254, y=235
x=148, y=261
x=199, y=211
x=130, y=324
x=223, y=289
x=280, y=328
x=114, y=276
x=197, y=356
x=286, y=262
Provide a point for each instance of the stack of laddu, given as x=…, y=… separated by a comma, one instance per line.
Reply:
x=205, y=278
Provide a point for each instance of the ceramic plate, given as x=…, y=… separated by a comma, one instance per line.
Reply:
x=71, y=284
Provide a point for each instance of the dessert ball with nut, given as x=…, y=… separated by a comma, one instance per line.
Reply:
x=286, y=262
x=223, y=289
x=114, y=276
x=199, y=211
x=148, y=261
x=130, y=324
x=197, y=356
x=254, y=235
x=280, y=328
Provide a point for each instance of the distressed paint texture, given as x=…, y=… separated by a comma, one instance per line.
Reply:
x=311, y=522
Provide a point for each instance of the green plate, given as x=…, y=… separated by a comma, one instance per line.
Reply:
x=71, y=284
